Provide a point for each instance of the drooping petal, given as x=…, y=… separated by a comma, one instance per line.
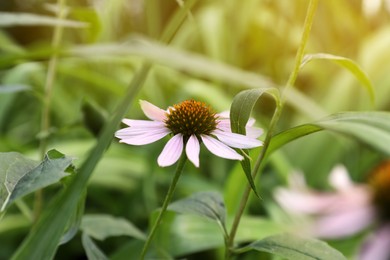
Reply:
x=171, y=152
x=220, y=149
x=153, y=112
x=344, y=223
x=193, y=149
x=134, y=137
x=377, y=246
x=237, y=140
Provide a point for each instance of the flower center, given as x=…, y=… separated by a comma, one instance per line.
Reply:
x=191, y=117
x=380, y=183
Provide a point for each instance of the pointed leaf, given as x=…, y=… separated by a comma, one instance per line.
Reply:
x=20, y=176
x=101, y=226
x=205, y=204
x=348, y=64
x=296, y=248
x=91, y=249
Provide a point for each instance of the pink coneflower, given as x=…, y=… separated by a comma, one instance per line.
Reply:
x=190, y=123
x=348, y=210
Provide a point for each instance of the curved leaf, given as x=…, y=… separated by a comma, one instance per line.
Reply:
x=372, y=128
x=101, y=226
x=91, y=249
x=205, y=204
x=296, y=248
x=20, y=176
x=348, y=64
x=240, y=111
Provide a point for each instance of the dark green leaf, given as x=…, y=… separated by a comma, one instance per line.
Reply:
x=20, y=176
x=91, y=249
x=103, y=226
x=296, y=248
x=205, y=204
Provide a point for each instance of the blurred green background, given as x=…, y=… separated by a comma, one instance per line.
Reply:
x=256, y=36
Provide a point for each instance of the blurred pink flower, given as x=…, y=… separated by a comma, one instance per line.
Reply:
x=191, y=123
x=348, y=210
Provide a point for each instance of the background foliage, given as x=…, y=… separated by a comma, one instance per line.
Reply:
x=222, y=48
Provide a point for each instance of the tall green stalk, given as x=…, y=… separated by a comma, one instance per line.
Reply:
x=48, y=93
x=275, y=119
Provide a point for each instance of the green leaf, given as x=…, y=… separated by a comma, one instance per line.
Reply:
x=372, y=128
x=101, y=226
x=27, y=19
x=20, y=176
x=296, y=248
x=54, y=219
x=205, y=204
x=348, y=64
x=91, y=249
x=240, y=111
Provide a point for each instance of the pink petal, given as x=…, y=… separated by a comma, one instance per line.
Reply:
x=303, y=202
x=339, y=178
x=253, y=132
x=378, y=246
x=152, y=112
x=142, y=123
x=220, y=149
x=142, y=138
x=237, y=140
x=224, y=114
x=192, y=150
x=344, y=223
x=171, y=152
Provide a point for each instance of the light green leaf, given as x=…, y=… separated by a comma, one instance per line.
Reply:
x=348, y=64
x=295, y=248
x=101, y=226
x=91, y=249
x=20, y=176
x=26, y=19
x=372, y=128
x=205, y=204
x=181, y=60
x=240, y=111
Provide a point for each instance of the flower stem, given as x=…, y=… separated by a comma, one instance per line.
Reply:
x=278, y=111
x=166, y=202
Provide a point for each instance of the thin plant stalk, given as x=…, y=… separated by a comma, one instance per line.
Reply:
x=49, y=83
x=167, y=200
x=278, y=111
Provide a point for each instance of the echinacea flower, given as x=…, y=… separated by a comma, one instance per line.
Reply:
x=348, y=210
x=190, y=123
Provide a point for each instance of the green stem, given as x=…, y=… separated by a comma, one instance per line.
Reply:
x=275, y=119
x=166, y=202
x=45, y=123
